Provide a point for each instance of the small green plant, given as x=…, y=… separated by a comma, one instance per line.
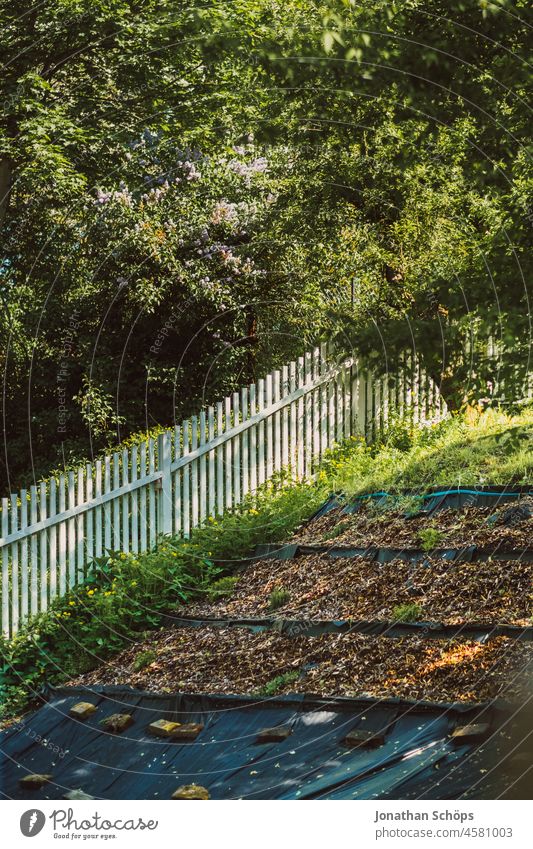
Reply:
x=430, y=538
x=275, y=685
x=143, y=659
x=338, y=529
x=407, y=613
x=278, y=598
x=222, y=588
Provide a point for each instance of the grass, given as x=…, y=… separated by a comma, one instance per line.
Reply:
x=471, y=449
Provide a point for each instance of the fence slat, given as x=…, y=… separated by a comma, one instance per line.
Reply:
x=6, y=624
x=15, y=612
x=245, y=459
x=134, y=501
x=186, y=479
x=24, y=596
x=125, y=507
x=62, y=536
x=211, y=480
x=236, y=443
x=34, y=577
x=90, y=515
x=253, y=440
x=269, y=428
x=143, y=516
x=177, y=482
x=43, y=550
x=202, y=469
x=152, y=519
x=220, y=461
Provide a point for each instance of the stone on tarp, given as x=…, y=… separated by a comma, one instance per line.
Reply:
x=364, y=737
x=82, y=710
x=190, y=792
x=175, y=730
x=117, y=722
x=77, y=795
x=274, y=735
x=34, y=781
x=470, y=733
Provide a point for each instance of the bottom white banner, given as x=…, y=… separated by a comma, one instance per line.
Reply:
x=257, y=824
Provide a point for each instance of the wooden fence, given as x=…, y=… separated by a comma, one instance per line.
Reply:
x=208, y=464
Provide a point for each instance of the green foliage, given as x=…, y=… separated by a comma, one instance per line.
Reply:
x=277, y=683
x=278, y=598
x=223, y=588
x=407, y=613
x=421, y=201
x=430, y=538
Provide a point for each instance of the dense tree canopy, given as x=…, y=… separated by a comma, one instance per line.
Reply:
x=189, y=193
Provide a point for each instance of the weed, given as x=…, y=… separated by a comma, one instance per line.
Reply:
x=222, y=588
x=275, y=685
x=430, y=538
x=407, y=613
x=278, y=598
x=143, y=659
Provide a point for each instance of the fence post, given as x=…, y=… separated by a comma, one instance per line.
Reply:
x=164, y=462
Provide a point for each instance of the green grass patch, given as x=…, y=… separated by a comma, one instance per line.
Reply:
x=407, y=613
x=223, y=588
x=430, y=538
x=278, y=598
x=143, y=659
x=276, y=684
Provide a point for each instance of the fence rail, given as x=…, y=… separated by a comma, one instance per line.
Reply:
x=208, y=464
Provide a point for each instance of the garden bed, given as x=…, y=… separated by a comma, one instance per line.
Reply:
x=447, y=528
x=234, y=661
x=320, y=587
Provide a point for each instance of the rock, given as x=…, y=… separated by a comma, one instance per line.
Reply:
x=82, y=710
x=191, y=791
x=364, y=737
x=175, y=730
x=117, y=722
x=274, y=735
x=34, y=781
x=470, y=733
x=74, y=795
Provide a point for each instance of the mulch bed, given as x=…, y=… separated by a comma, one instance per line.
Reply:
x=235, y=661
x=390, y=528
x=321, y=587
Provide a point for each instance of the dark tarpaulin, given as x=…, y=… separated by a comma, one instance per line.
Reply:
x=434, y=499
x=417, y=759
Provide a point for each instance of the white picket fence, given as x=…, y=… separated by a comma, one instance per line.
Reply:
x=208, y=464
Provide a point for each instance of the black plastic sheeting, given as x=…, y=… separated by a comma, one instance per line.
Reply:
x=468, y=554
x=428, y=503
x=418, y=757
x=481, y=631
